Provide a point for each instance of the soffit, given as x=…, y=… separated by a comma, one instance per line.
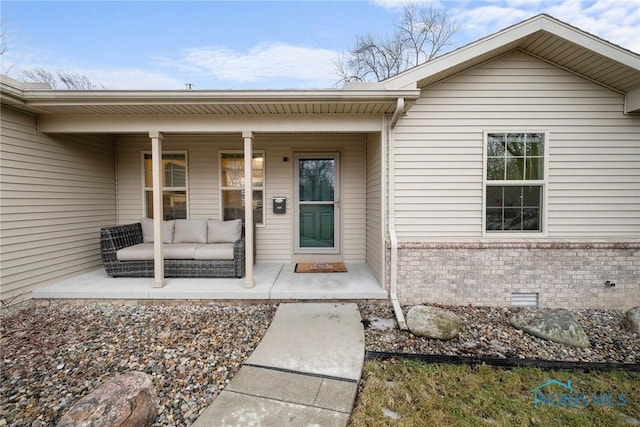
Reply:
x=583, y=61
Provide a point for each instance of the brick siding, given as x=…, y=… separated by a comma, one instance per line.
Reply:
x=564, y=274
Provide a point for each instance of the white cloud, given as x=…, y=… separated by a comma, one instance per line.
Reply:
x=19, y=58
x=16, y=60
x=484, y=20
x=131, y=78
x=617, y=21
x=397, y=4
x=266, y=65
x=273, y=61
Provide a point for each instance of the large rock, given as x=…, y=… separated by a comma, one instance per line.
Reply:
x=127, y=400
x=433, y=322
x=554, y=325
x=632, y=319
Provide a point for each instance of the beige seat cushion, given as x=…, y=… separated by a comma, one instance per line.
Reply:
x=180, y=251
x=224, y=231
x=190, y=231
x=144, y=252
x=218, y=251
x=147, y=230
x=139, y=252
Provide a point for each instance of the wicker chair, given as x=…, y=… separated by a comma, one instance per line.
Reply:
x=117, y=237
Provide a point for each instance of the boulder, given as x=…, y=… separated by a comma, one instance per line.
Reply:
x=632, y=319
x=554, y=325
x=433, y=322
x=126, y=400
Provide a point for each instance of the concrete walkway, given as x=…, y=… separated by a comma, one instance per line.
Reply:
x=304, y=372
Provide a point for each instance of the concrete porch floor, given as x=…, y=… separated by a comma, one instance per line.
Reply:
x=272, y=282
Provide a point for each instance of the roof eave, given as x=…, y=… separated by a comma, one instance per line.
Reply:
x=509, y=39
x=34, y=99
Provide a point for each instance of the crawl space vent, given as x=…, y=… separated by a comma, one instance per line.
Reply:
x=522, y=299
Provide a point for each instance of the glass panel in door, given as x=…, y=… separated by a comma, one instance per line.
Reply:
x=317, y=203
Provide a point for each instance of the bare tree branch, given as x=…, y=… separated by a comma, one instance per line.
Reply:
x=40, y=75
x=419, y=36
x=3, y=43
x=69, y=80
x=3, y=49
x=76, y=81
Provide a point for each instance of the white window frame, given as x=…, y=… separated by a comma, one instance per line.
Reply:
x=222, y=188
x=543, y=183
x=145, y=189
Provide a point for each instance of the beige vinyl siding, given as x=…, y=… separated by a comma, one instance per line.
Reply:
x=275, y=240
x=374, y=205
x=594, y=151
x=202, y=170
x=595, y=192
x=353, y=202
x=55, y=194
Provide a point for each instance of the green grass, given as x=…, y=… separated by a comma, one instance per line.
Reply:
x=432, y=395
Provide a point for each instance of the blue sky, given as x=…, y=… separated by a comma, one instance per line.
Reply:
x=249, y=44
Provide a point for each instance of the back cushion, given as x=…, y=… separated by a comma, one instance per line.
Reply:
x=147, y=230
x=190, y=231
x=224, y=231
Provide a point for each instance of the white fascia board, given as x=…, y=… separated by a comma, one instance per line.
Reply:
x=12, y=92
x=8, y=82
x=11, y=95
x=102, y=97
x=511, y=37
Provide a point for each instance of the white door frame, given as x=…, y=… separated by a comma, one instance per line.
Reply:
x=335, y=156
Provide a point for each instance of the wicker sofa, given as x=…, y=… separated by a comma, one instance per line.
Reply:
x=192, y=248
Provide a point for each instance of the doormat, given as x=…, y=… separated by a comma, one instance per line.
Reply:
x=321, y=267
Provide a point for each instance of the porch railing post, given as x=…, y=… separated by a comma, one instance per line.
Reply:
x=248, y=207
x=156, y=166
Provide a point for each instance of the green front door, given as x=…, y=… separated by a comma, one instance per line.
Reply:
x=317, y=203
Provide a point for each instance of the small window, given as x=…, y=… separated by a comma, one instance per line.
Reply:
x=174, y=185
x=232, y=185
x=514, y=181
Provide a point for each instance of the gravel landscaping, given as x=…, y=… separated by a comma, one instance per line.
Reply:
x=52, y=356
x=487, y=333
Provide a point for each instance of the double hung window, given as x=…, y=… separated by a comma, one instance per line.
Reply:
x=174, y=185
x=232, y=181
x=514, y=181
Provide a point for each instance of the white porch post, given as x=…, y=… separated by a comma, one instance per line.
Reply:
x=156, y=166
x=248, y=207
